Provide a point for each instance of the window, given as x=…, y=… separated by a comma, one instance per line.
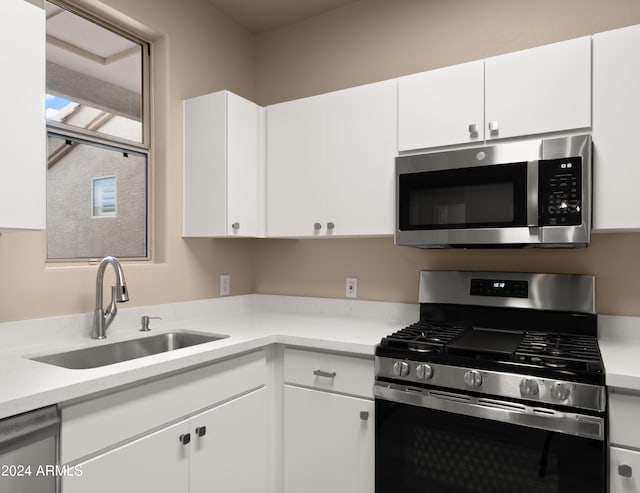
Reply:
x=104, y=197
x=98, y=137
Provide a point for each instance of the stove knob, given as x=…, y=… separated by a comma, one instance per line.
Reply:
x=473, y=378
x=424, y=372
x=560, y=391
x=400, y=369
x=528, y=387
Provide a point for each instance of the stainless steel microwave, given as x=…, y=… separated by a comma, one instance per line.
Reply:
x=533, y=193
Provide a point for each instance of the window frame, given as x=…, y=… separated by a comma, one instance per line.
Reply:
x=62, y=130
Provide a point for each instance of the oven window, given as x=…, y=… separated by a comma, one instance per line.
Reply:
x=420, y=450
x=479, y=197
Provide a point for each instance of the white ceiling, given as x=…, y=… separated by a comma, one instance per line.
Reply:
x=264, y=15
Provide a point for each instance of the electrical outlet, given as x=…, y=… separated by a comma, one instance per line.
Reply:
x=225, y=284
x=352, y=287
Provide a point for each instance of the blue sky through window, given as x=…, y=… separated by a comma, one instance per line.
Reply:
x=53, y=104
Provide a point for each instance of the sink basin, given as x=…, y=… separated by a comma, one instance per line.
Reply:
x=108, y=354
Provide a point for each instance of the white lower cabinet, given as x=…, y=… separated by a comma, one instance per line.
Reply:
x=211, y=451
x=328, y=442
x=199, y=431
x=624, y=470
x=624, y=441
x=229, y=447
x=328, y=423
x=158, y=463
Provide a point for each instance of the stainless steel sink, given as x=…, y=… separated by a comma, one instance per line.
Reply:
x=108, y=354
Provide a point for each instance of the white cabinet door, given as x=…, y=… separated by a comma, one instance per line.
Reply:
x=296, y=176
x=243, y=156
x=540, y=90
x=158, y=462
x=328, y=445
x=231, y=456
x=616, y=126
x=624, y=470
x=221, y=166
x=22, y=127
x=441, y=107
x=361, y=150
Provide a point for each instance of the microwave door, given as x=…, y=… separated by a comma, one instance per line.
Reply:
x=453, y=203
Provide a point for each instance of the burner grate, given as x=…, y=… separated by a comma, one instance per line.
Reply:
x=558, y=349
x=423, y=336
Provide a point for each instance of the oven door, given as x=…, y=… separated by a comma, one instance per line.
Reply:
x=420, y=449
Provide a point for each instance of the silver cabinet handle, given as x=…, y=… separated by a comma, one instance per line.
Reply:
x=235, y=225
x=493, y=128
x=185, y=439
x=473, y=130
x=317, y=226
x=326, y=374
x=625, y=470
x=201, y=431
x=330, y=226
x=364, y=415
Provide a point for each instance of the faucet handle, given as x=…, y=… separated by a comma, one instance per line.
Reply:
x=144, y=322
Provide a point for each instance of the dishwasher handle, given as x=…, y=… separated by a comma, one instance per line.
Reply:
x=42, y=420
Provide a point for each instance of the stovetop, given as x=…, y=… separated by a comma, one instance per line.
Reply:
x=569, y=356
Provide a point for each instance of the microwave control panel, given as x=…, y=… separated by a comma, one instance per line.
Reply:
x=560, y=191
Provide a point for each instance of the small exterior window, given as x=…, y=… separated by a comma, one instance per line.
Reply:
x=104, y=197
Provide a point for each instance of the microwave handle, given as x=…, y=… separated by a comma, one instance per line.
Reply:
x=533, y=214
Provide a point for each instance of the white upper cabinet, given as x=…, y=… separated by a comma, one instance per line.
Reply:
x=222, y=160
x=540, y=90
x=330, y=163
x=22, y=129
x=616, y=127
x=441, y=107
x=296, y=157
x=361, y=151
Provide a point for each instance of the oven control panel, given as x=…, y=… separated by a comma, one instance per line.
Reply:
x=494, y=383
x=500, y=288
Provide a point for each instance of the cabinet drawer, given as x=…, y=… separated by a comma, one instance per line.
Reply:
x=96, y=424
x=624, y=410
x=624, y=470
x=346, y=374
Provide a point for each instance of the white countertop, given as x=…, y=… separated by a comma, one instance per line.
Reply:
x=619, y=341
x=251, y=324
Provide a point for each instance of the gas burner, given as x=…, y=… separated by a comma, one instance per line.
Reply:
x=553, y=348
x=423, y=336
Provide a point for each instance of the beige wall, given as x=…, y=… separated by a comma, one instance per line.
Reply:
x=196, y=50
x=374, y=40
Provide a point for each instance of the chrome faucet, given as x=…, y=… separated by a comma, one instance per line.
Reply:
x=102, y=319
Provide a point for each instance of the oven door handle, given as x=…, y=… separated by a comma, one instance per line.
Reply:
x=505, y=411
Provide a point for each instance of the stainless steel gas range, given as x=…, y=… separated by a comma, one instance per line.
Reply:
x=499, y=387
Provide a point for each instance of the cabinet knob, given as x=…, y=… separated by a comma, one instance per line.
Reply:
x=473, y=130
x=364, y=415
x=185, y=439
x=493, y=128
x=235, y=226
x=330, y=226
x=317, y=226
x=201, y=431
x=625, y=470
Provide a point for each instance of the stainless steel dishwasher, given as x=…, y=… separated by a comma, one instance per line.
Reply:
x=29, y=452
